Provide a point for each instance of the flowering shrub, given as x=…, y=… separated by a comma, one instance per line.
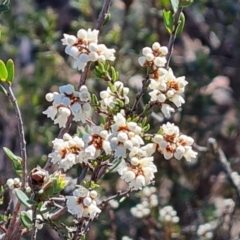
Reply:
x=121, y=141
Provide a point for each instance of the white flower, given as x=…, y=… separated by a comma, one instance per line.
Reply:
x=153, y=56
x=171, y=143
x=97, y=142
x=82, y=204
x=110, y=96
x=66, y=151
x=85, y=48
x=168, y=214
x=68, y=102
x=125, y=135
x=138, y=173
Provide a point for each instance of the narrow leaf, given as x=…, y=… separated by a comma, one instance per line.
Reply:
x=3, y=90
x=3, y=71
x=181, y=24
x=11, y=155
x=168, y=21
x=10, y=69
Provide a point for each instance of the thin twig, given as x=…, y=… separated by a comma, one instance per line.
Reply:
x=173, y=36
x=23, y=153
x=21, y=134
x=225, y=165
x=13, y=221
x=139, y=95
x=57, y=214
x=118, y=194
x=82, y=175
x=34, y=229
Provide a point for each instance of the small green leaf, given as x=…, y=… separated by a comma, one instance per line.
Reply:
x=146, y=128
x=175, y=5
x=116, y=163
x=185, y=3
x=25, y=220
x=3, y=90
x=17, y=167
x=119, y=103
x=11, y=155
x=10, y=69
x=114, y=74
x=3, y=71
x=181, y=24
x=107, y=17
x=94, y=100
x=168, y=21
x=23, y=198
x=3, y=8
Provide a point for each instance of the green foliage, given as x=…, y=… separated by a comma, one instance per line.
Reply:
x=3, y=90
x=25, y=220
x=4, y=6
x=175, y=5
x=23, y=198
x=16, y=161
x=1, y=194
x=168, y=18
x=185, y=3
x=181, y=24
x=10, y=69
x=3, y=71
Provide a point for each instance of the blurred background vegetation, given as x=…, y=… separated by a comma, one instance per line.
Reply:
x=207, y=53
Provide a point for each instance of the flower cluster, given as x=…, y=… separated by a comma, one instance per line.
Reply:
x=166, y=87
x=168, y=215
x=85, y=48
x=83, y=203
x=72, y=150
x=154, y=57
x=125, y=135
x=205, y=231
x=13, y=183
x=96, y=142
x=172, y=144
x=113, y=95
x=68, y=102
x=66, y=151
x=139, y=170
x=149, y=200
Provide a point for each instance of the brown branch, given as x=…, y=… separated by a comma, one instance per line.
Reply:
x=21, y=134
x=221, y=158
